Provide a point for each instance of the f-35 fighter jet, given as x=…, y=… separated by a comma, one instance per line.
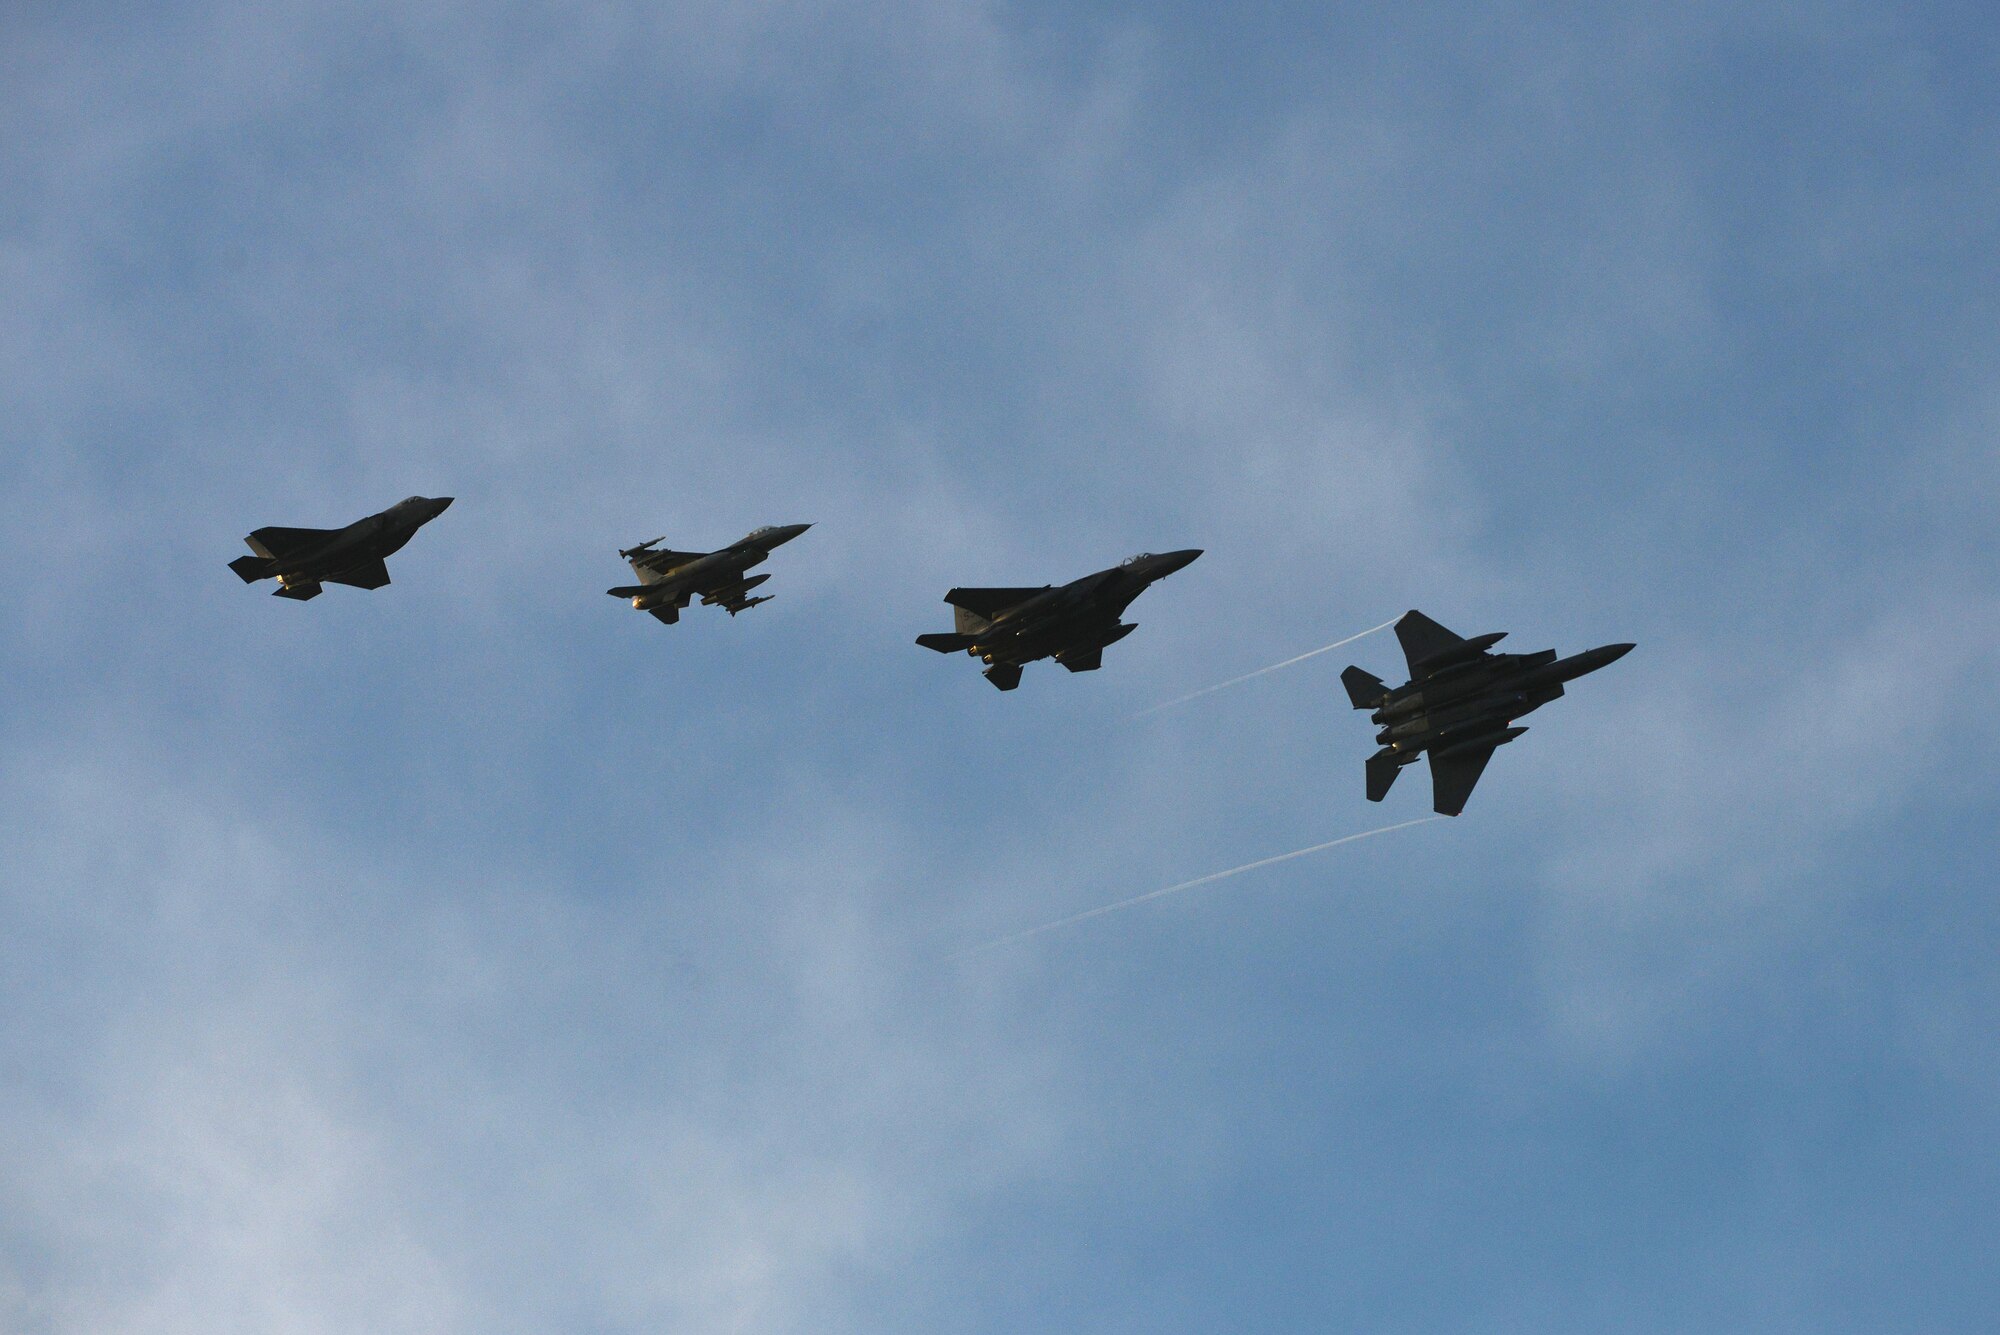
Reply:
x=304, y=558
x=669, y=580
x=1071, y=624
x=1459, y=704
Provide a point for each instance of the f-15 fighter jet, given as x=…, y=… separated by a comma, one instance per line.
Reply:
x=1071, y=624
x=668, y=581
x=302, y=559
x=1459, y=704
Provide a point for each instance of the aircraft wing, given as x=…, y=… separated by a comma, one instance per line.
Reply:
x=279, y=543
x=1423, y=638
x=1453, y=777
x=650, y=565
x=371, y=576
x=990, y=602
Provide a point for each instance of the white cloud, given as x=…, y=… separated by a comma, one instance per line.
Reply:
x=676, y=1048
x=302, y=1096
x=1725, y=787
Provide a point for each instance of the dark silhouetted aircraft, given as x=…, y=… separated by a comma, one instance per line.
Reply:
x=1459, y=704
x=302, y=559
x=1072, y=623
x=669, y=580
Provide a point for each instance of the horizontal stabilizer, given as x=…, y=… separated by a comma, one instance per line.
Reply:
x=628, y=590
x=945, y=642
x=301, y=592
x=1364, y=689
x=253, y=568
x=666, y=613
x=989, y=603
x=1382, y=771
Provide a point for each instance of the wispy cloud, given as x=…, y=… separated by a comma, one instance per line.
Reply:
x=476, y=955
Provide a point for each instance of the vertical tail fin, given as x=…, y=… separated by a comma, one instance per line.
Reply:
x=1364, y=689
x=1006, y=676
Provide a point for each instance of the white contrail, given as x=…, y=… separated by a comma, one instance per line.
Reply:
x=1189, y=885
x=1235, y=681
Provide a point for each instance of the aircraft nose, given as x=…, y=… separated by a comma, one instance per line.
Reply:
x=439, y=504
x=1181, y=560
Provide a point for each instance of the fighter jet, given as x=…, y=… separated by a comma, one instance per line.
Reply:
x=1459, y=704
x=668, y=580
x=302, y=559
x=1072, y=623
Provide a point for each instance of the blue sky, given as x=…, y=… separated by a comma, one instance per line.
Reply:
x=477, y=955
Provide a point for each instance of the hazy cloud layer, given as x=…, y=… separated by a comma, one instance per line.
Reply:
x=476, y=955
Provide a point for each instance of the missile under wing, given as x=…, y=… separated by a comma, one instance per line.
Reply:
x=670, y=580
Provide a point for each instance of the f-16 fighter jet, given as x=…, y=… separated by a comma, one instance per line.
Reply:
x=1459, y=704
x=302, y=559
x=669, y=580
x=1071, y=624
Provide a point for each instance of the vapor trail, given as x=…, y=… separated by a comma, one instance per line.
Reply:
x=1235, y=681
x=1189, y=885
